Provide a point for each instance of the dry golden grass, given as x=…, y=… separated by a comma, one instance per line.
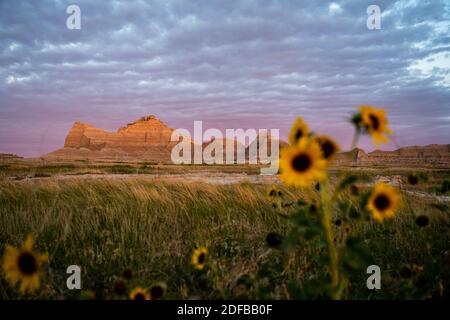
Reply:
x=316, y=244
x=152, y=227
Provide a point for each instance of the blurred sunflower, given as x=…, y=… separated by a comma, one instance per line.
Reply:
x=383, y=202
x=23, y=266
x=199, y=258
x=127, y=274
x=298, y=131
x=422, y=221
x=157, y=290
x=375, y=122
x=302, y=164
x=139, y=293
x=120, y=288
x=274, y=192
x=274, y=240
x=328, y=146
x=413, y=179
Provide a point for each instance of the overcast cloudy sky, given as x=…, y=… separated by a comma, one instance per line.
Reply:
x=229, y=63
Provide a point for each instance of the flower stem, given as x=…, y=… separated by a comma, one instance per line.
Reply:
x=326, y=223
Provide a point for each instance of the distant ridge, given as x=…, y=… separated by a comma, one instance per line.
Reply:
x=148, y=139
x=9, y=156
x=429, y=155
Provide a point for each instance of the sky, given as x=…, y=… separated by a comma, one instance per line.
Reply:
x=232, y=64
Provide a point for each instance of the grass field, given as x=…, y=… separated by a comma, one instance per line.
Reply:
x=152, y=226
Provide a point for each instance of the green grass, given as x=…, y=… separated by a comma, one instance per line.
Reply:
x=21, y=169
x=108, y=225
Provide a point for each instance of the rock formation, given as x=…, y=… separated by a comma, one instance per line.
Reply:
x=214, y=144
x=9, y=156
x=255, y=145
x=356, y=156
x=148, y=139
x=145, y=139
x=433, y=155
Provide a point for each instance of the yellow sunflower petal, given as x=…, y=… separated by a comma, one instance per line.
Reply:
x=328, y=146
x=375, y=122
x=23, y=266
x=298, y=131
x=139, y=293
x=199, y=257
x=28, y=243
x=302, y=164
x=383, y=202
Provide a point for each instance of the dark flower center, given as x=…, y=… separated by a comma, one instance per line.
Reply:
x=298, y=134
x=382, y=202
x=405, y=272
x=272, y=193
x=412, y=179
x=201, y=258
x=139, y=296
x=328, y=149
x=120, y=288
x=375, y=122
x=313, y=209
x=27, y=263
x=273, y=239
x=301, y=162
x=127, y=274
x=156, y=292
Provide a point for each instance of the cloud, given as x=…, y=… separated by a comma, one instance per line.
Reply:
x=229, y=63
x=334, y=8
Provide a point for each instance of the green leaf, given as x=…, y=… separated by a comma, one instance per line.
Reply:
x=365, y=199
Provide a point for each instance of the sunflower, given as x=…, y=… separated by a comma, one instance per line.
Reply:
x=302, y=164
x=274, y=192
x=298, y=131
x=274, y=240
x=413, y=179
x=199, y=258
x=375, y=122
x=157, y=290
x=383, y=202
x=23, y=266
x=328, y=146
x=139, y=293
x=127, y=274
x=422, y=221
x=120, y=287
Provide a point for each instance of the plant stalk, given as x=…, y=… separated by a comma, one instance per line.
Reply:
x=329, y=235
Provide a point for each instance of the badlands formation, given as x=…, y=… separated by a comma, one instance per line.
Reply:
x=433, y=155
x=148, y=139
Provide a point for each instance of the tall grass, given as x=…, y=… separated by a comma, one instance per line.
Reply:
x=105, y=226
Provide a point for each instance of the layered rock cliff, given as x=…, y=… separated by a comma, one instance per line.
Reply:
x=430, y=155
x=148, y=139
x=145, y=139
